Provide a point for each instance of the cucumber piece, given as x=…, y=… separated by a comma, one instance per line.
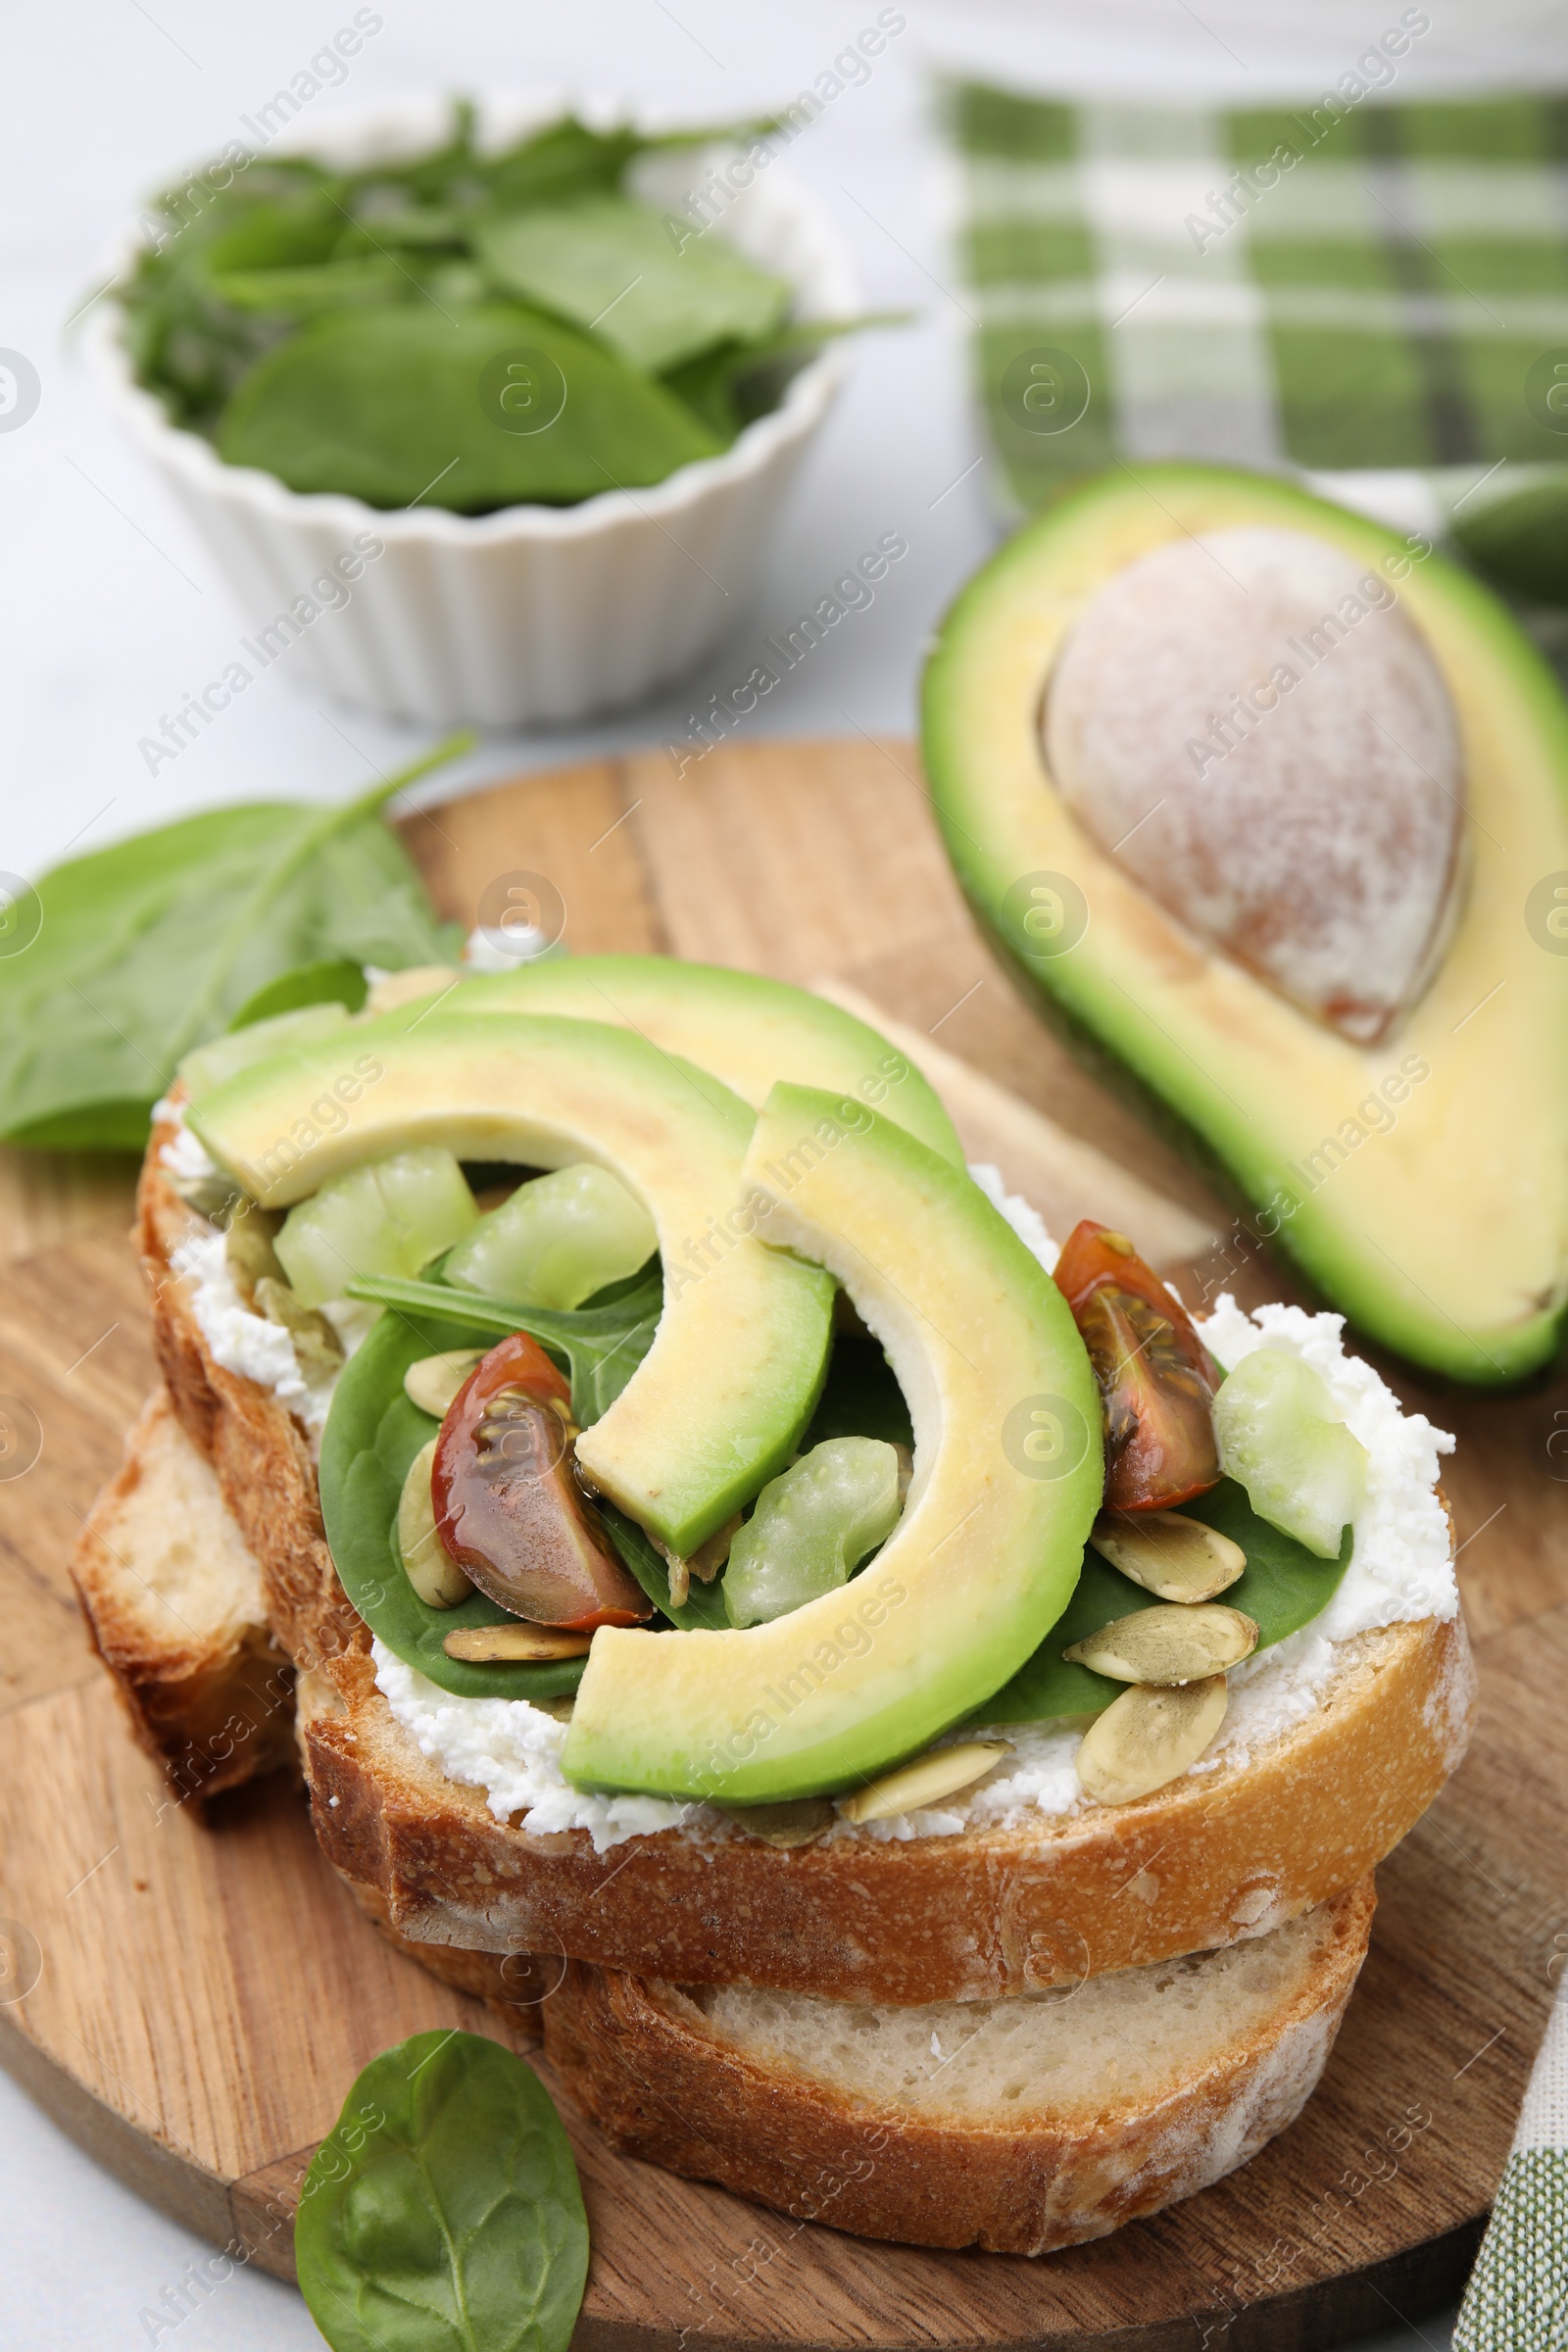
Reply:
x=811, y=1527
x=207, y=1067
x=556, y=1241
x=1282, y=1438
x=391, y=1216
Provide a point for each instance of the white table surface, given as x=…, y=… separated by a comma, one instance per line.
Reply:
x=108, y=609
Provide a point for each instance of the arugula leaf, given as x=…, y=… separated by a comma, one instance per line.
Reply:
x=150, y=947
x=602, y=1345
x=371, y=1436
x=443, y=2211
x=388, y=405
x=1282, y=1588
x=612, y=266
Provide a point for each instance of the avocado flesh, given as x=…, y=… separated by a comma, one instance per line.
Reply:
x=1445, y=1235
x=987, y=1550
x=748, y=1030
x=716, y=1405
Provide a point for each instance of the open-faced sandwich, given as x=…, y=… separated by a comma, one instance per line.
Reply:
x=929, y=1707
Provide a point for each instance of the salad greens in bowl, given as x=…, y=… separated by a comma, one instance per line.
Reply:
x=551, y=367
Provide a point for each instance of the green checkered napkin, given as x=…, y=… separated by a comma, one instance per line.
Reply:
x=1517, y=2299
x=1392, y=303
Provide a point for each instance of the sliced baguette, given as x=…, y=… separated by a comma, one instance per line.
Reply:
x=1215, y=1857
x=1018, y=2126
x=172, y=1597
x=172, y=1594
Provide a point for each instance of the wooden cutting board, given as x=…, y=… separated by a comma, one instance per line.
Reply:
x=191, y=1995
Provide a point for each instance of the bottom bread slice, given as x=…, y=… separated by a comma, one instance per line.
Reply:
x=1020, y=2126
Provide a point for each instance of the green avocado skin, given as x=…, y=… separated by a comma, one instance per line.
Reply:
x=1391, y=1295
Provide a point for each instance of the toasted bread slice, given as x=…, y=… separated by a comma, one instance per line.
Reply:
x=1018, y=2126
x=172, y=1593
x=172, y=1597
x=1214, y=1857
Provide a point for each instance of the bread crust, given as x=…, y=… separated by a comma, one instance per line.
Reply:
x=663, y=2085
x=1207, y=1861
x=1204, y=1862
x=213, y=1702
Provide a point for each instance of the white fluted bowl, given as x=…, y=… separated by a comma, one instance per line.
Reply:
x=533, y=616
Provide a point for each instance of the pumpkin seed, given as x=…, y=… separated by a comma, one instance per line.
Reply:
x=489, y=1645
x=432, y=1383
x=941, y=1772
x=794, y=1823
x=429, y=1567
x=1148, y=1737
x=1168, y=1644
x=1179, y=1560
x=248, y=1246
x=318, y=1349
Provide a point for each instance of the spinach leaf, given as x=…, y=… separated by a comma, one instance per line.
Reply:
x=309, y=293
x=1283, y=1588
x=443, y=2212
x=602, y=1344
x=339, y=981
x=612, y=266
x=401, y=403
x=860, y=1396
x=150, y=947
x=730, y=384
x=372, y=1434
x=248, y=271
x=703, y=1610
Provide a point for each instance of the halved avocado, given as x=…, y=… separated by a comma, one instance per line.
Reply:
x=1440, y=1226
x=748, y=1030
x=1008, y=1478
x=716, y=1405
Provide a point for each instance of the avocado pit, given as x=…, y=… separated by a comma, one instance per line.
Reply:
x=1250, y=725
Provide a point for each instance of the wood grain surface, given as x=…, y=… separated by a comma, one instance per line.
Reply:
x=190, y=1992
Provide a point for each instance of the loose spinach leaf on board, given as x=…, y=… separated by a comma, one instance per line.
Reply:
x=615, y=267
x=1282, y=1588
x=371, y=1436
x=443, y=2213
x=390, y=405
x=602, y=1344
x=150, y=947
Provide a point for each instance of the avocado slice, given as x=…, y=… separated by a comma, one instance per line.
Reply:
x=748, y=1030
x=741, y=1351
x=1420, y=1182
x=1008, y=1477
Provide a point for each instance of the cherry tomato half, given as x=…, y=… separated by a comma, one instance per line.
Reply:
x=507, y=1506
x=1155, y=1376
